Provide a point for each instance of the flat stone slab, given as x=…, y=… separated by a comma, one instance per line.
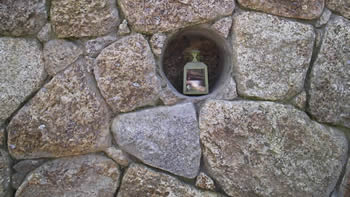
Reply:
x=329, y=99
x=270, y=150
x=272, y=55
x=21, y=73
x=141, y=181
x=81, y=18
x=66, y=117
x=126, y=74
x=302, y=9
x=162, y=16
x=165, y=137
x=88, y=176
x=22, y=17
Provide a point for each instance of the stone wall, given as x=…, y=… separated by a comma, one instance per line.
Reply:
x=87, y=110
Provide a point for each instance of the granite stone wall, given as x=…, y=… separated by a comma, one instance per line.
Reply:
x=86, y=108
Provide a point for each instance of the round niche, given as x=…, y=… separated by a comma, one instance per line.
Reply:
x=214, y=51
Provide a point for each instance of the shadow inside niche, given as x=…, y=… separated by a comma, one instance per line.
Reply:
x=178, y=52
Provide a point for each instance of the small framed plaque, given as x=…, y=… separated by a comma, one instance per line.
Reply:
x=195, y=78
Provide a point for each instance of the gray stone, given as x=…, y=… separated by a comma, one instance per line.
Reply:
x=45, y=34
x=94, y=47
x=330, y=76
x=157, y=43
x=21, y=73
x=319, y=37
x=22, y=17
x=140, y=181
x=326, y=15
x=59, y=54
x=66, y=117
x=162, y=16
x=2, y=137
x=203, y=181
x=344, y=189
x=268, y=149
x=5, y=174
x=126, y=74
x=88, y=176
x=272, y=55
x=302, y=9
x=82, y=18
x=169, y=97
x=123, y=28
x=22, y=168
x=300, y=100
x=118, y=156
x=340, y=6
x=170, y=143
x=223, y=26
x=228, y=91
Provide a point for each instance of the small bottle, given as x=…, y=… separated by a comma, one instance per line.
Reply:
x=195, y=77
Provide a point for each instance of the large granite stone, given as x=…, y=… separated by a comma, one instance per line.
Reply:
x=88, y=176
x=329, y=99
x=268, y=149
x=5, y=174
x=83, y=18
x=163, y=15
x=126, y=74
x=165, y=137
x=94, y=46
x=272, y=55
x=22, y=17
x=340, y=6
x=21, y=73
x=302, y=9
x=140, y=181
x=223, y=26
x=59, y=54
x=66, y=117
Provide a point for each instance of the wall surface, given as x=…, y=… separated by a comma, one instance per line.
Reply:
x=87, y=110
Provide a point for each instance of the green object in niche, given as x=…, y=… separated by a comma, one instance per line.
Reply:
x=195, y=77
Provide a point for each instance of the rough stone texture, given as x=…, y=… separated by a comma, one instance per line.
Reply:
x=45, y=34
x=228, y=91
x=169, y=97
x=125, y=74
x=162, y=16
x=22, y=17
x=330, y=76
x=118, y=156
x=269, y=149
x=5, y=174
x=123, y=28
x=203, y=181
x=340, y=6
x=300, y=100
x=21, y=73
x=94, y=47
x=303, y=9
x=88, y=176
x=223, y=26
x=326, y=15
x=2, y=137
x=22, y=168
x=157, y=43
x=59, y=54
x=170, y=143
x=319, y=37
x=140, y=181
x=272, y=55
x=83, y=18
x=66, y=117
x=344, y=190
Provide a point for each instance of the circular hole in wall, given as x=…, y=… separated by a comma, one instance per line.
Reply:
x=214, y=52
